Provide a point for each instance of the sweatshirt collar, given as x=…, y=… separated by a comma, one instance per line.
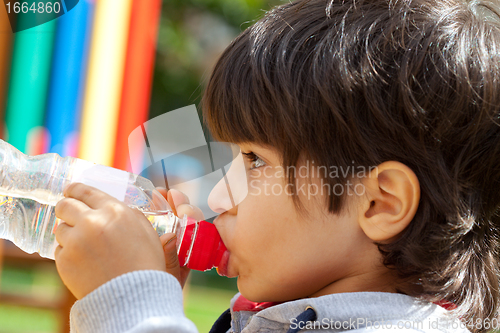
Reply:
x=349, y=310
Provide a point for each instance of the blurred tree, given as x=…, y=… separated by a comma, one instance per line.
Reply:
x=193, y=33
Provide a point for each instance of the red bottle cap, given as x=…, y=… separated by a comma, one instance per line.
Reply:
x=201, y=247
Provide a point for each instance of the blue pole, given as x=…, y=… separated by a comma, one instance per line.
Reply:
x=69, y=66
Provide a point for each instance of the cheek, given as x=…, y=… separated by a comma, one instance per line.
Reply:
x=258, y=228
x=287, y=269
x=260, y=215
x=278, y=280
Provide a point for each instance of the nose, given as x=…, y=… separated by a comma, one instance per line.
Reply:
x=219, y=199
x=230, y=190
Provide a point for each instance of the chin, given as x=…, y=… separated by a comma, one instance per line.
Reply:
x=251, y=293
x=258, y=295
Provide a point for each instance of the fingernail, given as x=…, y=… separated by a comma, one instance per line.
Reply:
x=171, y=239
x=183, y=207
x=65, y=190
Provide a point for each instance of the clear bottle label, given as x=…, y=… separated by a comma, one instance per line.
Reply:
x=112, y=181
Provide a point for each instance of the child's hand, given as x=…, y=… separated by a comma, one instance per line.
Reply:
x=180, y=205
x=101, y=239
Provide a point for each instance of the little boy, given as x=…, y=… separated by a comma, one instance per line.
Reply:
x=393, y=107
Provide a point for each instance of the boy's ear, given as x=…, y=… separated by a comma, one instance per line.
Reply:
x=391, y=201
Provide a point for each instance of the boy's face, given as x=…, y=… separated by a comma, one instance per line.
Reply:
x=277, y=254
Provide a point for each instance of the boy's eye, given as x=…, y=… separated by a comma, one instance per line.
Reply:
x=255, y=161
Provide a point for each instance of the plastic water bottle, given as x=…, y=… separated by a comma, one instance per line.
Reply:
x=30, y=187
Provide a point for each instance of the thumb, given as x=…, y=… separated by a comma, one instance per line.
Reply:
x=171, y=259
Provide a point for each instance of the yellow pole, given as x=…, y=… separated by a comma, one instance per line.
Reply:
x=104, y=81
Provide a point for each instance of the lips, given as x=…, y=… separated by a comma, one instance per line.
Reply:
x=222, y=269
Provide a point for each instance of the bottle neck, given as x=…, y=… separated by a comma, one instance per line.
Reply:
x=201, y=247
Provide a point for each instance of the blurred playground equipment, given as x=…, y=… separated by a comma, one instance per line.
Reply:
x=76, y=86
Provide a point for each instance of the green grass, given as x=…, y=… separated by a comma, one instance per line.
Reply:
x=17, y=319
x=40, y=281
x=204, y=305
x=207, y=296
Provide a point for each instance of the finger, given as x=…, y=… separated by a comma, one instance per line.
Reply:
x=183, y=271
x=184, y=275
x=169, y=242
x=191, y=211
x=89, y=195
x=62, y=232
x=163, y=191
x=69, y=209
x=176, y=198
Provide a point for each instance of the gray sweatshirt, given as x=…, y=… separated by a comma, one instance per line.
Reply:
x=151, y=301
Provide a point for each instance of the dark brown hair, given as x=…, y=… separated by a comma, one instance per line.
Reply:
x=377, y=80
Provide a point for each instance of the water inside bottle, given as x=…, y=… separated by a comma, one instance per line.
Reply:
x=28, y=223
x=28, y=219
x=163, y=222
